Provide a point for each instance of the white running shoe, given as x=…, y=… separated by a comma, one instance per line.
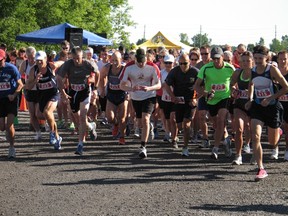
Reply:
x=142, y=152
x=246, y=148
x=214, y=153
x=38, y=136
x=238, y=160
x=274, y=154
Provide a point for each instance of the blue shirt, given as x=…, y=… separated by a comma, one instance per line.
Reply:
x=9, y=75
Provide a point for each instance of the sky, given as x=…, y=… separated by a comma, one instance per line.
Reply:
x=224, y=21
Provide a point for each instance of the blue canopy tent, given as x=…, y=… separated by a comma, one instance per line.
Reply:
x=56, y=34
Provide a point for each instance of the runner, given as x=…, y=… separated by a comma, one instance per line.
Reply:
x=10, y=87
x=43, y=77
x=145, y=80
x=80, y=74
x=239, y=88
x=182, y=78
x=117, y=103
x=216, y=76
x=263, y=105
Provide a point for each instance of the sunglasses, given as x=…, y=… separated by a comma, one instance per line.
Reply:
x=215, y=58
x=183, y=63
x=204, y=53
x=194, y=59
x=161, y=56
x=65, y=48
x=167, y=62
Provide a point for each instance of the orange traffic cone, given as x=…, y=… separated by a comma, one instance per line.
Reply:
x=23, y=105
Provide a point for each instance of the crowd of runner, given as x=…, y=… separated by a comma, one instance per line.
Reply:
x=237, y=93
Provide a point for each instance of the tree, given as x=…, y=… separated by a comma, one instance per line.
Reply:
x=99, y=16
x=184, y=38
x=261, y=42
x=284, y=42
x=200, y=39
x=250, y=47
x=275, y=46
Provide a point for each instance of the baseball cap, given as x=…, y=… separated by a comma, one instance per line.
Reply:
x=40, y=55
x=140, y=55
x=169, y=58
x=2, y=54
x=216, y=52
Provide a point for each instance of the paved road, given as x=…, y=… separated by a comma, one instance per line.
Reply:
x=110, y=180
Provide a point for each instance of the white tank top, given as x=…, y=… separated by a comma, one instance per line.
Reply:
x=27, y=74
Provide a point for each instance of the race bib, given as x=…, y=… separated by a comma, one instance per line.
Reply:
x=4, y=86
x=243, y=94
x=263, y=93
x=181, y=100
x=77, y=87
x=45, y=86
x=218, y=87
x=166, y=98
x=283, y=98
x=114, y=87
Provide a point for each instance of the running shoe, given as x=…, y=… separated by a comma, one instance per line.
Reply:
x=274, y=154
x=174, y=144
x=205, y=144
x=246, y=148
x=151, y=132
x=92, y=132
x=57, y=145
x=38, y=137
x=237, y=160
x=121, y=141
x=47, y=127
x=53, y=139
x=142, y=152
x=166, y=137
x=137, y=132
x=227, y=147
x=79, y=150
x=11, y=152
x=185, y=152
x=286, y=156
x=261, y=174
x=214, y=153
x=71, y=126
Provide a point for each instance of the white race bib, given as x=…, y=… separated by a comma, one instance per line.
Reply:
x=218, y=87
x=4, y=86
x=45, y=86
x=78, y=87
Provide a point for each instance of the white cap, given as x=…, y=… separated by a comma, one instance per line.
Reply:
x=89, y=50
x=40, y=55
x=169, y=58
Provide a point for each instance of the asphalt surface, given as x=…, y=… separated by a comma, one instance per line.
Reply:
x=110, y=179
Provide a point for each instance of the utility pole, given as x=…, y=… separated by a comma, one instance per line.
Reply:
x=144, y=37
x=200, y=39
x=275, y=32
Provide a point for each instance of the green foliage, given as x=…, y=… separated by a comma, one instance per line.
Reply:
x=275, y=46
x=98, y=16
x=250, y=47
x=184, y=38
x=200, y=39
x=261, y=42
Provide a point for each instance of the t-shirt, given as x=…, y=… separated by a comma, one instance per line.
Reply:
x=182, y=82
x=9, y=76
x=77, y=74
x=165, y=96
x=144, y=76
x=218, y=80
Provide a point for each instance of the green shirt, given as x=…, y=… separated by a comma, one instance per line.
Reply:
x=218, y=80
